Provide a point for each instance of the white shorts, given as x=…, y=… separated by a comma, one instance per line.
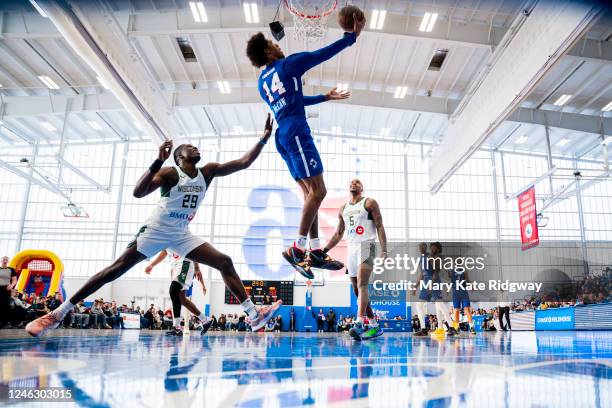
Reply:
x=355, y=257
x=151, y=240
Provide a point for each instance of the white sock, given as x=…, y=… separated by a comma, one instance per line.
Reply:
x=63, y=309
x=373, y=322
x=360, y=319
x=202, y=317
x=300, y=242
x=249, y=309
x=177, y=322
x=315, y=243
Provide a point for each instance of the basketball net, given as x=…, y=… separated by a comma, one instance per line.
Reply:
x=310, y=17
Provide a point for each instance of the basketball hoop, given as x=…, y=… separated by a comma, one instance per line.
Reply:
x=310, y=17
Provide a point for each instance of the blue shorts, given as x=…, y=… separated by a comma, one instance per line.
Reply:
x=459, y=302
x=297, y=148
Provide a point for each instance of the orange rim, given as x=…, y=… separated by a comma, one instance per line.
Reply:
x=307, y=16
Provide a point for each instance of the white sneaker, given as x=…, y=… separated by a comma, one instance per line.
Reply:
x=40, y=326
x=264, y=314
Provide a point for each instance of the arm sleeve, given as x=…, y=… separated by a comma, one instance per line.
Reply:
x=298, y=64
x=313, y=100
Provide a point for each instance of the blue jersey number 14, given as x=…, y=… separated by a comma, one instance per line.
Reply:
x=276, y=87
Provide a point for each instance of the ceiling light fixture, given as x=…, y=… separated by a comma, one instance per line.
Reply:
x=562, y=100
x=199, y=11
x=400, y=92
x=427, y=24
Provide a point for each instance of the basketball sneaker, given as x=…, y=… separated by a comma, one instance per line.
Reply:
x=421, y=333
x=372, y=332
x=357, y=331
x=297, y=258
x=264, y=314
x=205, y=326
x=472, y=330
x=40, y=326
x=175, y=331
x=452, y=332
x=318, y=258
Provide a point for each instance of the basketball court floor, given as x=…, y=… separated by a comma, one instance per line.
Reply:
x=148, y=369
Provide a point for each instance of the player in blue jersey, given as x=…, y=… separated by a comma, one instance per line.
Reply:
x=280, y=86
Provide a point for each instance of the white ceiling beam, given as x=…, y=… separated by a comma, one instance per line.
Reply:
x=19, y=106
x=94, y=33
x=533, y=45
x=150, y=23
x=563, y=120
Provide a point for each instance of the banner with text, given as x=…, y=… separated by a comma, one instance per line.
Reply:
x=528, y=218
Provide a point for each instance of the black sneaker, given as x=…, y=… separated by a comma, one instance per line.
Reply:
x=421, y=333
x=452, y=332
x=206, y=326
x=174, y=332
x=297, y=258
x=319, y=259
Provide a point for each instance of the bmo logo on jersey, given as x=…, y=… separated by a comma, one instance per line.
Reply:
x=359, y=230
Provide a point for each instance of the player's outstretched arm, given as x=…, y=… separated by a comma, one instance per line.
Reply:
x=332, y=95
x=160, y=257
x=297, y=64
x=372, y=206
x=333, y=241
x=199, y=277
x=155, y=176
x=212, y=170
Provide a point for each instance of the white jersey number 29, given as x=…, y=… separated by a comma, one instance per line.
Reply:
x=276, y=87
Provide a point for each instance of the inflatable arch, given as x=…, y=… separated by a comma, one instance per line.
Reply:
x=31, y=262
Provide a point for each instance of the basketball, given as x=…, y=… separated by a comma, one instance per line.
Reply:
x=345, y=17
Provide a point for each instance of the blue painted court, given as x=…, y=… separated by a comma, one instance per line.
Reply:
x=141, y=368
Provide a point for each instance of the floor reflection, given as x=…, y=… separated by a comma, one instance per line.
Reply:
x=133, y=368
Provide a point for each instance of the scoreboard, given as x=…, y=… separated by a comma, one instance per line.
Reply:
x=264, y=292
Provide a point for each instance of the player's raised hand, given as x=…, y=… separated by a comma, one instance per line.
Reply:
x=148, y=269
x=358, y=24
x=334, y=95
x=164, y=150
x=268, y=128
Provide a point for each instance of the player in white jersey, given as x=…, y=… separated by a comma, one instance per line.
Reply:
x=183, y=272
x=362, y=221
x=182, y=191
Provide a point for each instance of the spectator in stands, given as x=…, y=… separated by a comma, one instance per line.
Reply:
x=320, y=321
x=215, y=325
x=222, y=321
x=19, y=310
x=39, y=307
x=279, y=323
x=241, y=323
x=8, y=280
x=55, y=301
x=270, y=325
x=331, y=320
x=80, y=317
x=98, y=316
x=150, y=316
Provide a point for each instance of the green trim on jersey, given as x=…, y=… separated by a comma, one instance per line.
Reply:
x=182, y=277
x=165, y=191
x=140, y=231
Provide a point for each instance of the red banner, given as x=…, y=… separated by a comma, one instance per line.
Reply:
x=527, y=216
